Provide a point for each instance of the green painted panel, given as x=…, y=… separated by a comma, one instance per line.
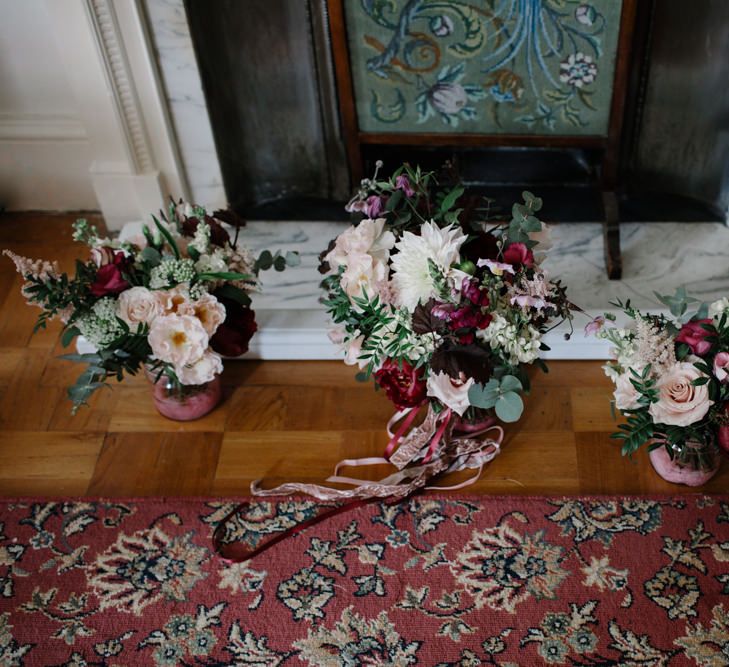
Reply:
x=492, y=67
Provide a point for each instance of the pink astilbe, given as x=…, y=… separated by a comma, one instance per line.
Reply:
x=654, y=346
x=34, y=268
x=37, y=269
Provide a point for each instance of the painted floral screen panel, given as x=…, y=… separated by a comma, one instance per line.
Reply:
x=537, y=67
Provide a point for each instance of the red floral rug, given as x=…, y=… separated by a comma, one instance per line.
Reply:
x=436, y=580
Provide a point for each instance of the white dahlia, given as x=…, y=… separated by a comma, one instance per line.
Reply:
x=412, y=281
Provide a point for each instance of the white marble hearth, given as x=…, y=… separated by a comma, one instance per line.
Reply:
x=656, y=257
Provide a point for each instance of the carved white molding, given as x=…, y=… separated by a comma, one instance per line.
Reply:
x=113, y=55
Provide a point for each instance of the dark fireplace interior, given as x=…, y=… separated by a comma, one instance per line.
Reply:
x=268, y=76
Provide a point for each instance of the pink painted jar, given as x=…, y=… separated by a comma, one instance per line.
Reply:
x=187, y=402
x=692, y=468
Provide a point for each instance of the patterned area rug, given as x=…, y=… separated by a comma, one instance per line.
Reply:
x=436, y=580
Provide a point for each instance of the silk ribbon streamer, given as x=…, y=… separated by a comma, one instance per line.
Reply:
x=439, y=445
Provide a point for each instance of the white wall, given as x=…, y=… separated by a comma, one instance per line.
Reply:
x=84, y=117
x=44, y=148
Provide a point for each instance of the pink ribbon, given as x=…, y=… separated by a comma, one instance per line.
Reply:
x=439, y=445
x=429, y=449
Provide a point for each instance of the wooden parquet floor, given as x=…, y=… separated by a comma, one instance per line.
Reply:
x=280, y=420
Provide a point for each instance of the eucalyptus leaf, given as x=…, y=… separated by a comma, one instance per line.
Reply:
x=509, y=407
x=510, y=383
x=265, y=260
x=151, y=256
x=68, y=335
x=293, y=258
x=484, y=396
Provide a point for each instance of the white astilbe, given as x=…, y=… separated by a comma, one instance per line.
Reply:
x=516, y=345
x=654, y=346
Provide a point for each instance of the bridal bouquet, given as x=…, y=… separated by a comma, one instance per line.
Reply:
x=671, y=378
x=438, y=312
x=171, y=300
x=445, y=314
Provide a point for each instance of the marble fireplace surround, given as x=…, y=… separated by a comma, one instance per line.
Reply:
x=656, y=257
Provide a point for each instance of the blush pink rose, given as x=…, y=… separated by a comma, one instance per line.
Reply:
x=368, y=237
x=721, y=366
x=180, y=340
x=203, y=370
x=694, y=335
x=680, y=403
x=363, y=273
x=207, y=309
x=171, y=300
x=626, y=395
x=138, y=305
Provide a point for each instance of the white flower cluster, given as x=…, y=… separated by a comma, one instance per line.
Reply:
x=171, y=272
x=201, y=240
x=623, y=351
x=718, y=308
x=101, y=326
x=520, y=344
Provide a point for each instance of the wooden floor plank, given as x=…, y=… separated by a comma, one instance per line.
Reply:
x=47, y=463
x=156, y=464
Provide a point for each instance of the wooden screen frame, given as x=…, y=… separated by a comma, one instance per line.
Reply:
x=354, y=139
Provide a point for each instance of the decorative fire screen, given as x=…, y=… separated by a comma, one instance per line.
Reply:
x=527, y=67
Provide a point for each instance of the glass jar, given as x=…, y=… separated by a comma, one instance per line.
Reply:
x=693, y=464
x=186, y=402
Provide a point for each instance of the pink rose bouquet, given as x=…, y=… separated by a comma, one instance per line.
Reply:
x=172, y=300
x=671, y=378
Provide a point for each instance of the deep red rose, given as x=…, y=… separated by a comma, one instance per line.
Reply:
x=109, y=279
x=694, y=335
x=233, y=335
x=471, y=290
x=403, y=384
x=517, y=254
